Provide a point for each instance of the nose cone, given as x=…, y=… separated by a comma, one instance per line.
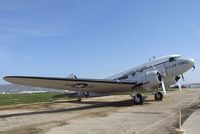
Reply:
x=191, y=62
x=185, y=65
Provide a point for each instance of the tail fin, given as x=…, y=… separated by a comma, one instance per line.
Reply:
x=72, y=76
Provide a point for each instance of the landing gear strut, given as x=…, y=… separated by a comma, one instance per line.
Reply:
x=79, y=97
x=158, y=96
x=138, y=99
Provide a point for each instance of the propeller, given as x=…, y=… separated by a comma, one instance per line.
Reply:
x=179, y=86
x=182, y=77
x=163, y=86
x=160, y=77
x=194, y=68
x=177, y=78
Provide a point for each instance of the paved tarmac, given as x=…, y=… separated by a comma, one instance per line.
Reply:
x=192, y=124
x=110, y=114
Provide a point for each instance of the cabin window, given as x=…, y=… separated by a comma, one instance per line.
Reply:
x=171, y=59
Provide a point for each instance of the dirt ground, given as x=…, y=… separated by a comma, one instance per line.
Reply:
x=110, y=114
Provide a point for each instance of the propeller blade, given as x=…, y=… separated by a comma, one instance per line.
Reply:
x=179, y=86
x=194, y=68
x=163, y=86
x=154, y=68
x=182, y=77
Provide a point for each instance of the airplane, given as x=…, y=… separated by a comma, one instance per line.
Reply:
x=159, y=72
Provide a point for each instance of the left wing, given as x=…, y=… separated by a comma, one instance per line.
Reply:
x=101, y=86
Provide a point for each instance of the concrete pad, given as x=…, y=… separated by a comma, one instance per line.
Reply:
x=192, y=124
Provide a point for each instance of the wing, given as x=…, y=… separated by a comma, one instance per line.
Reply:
x=101, y=86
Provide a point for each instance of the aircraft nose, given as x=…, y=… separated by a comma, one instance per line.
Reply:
x=185, y=65
x=191, y=62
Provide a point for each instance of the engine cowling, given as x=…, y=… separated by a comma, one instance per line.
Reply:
x=150, y=79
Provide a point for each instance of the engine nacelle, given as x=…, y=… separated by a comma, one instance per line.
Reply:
x=150, y=79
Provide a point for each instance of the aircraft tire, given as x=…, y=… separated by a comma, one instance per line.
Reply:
x=138, y=99
x=158, y=96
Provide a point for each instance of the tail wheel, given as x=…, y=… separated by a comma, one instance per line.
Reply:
x=158, y=96
x=79, y=100
x=138, y=99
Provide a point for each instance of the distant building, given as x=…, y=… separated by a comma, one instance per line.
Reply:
x=191, y=85
x=194, y=85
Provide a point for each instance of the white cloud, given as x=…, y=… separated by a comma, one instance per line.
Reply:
x=187, y=26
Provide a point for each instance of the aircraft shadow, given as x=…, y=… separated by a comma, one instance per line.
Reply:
x=93, y=105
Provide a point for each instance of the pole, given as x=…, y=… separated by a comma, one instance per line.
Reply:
x=199, y=98
x=180, y=124
x=180, y=130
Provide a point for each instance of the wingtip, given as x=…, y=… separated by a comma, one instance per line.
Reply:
x=6, y=78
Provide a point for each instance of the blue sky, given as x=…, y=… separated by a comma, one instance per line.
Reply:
x=94, y=38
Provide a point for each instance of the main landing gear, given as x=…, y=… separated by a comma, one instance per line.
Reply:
x=158, y=96
x=138, y=99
